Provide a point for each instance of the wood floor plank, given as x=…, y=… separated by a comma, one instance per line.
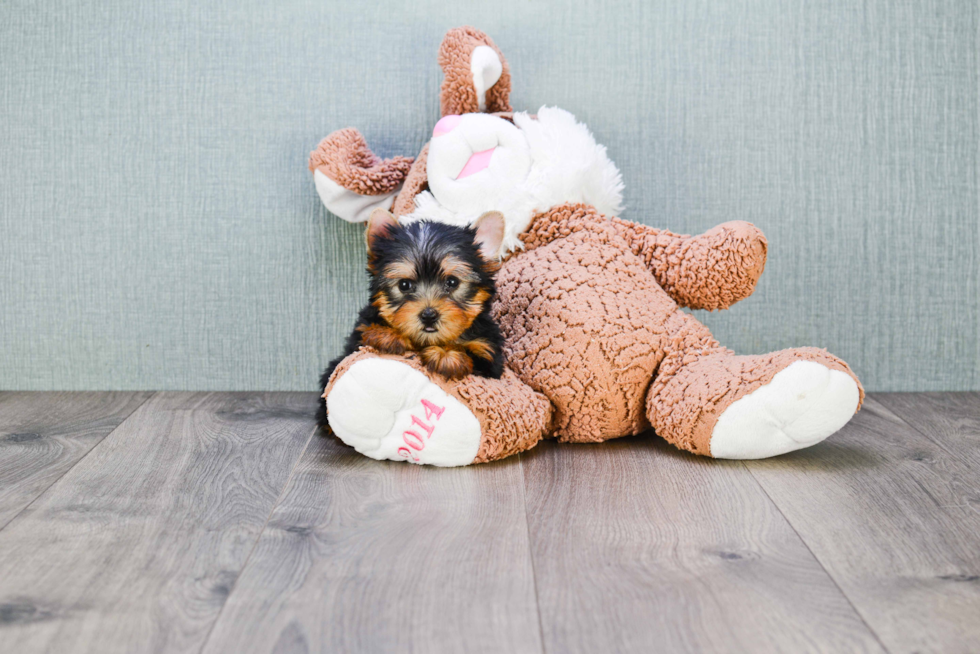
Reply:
x=369, y=556
x=42, y=435
x=638, y=547
x=894, y=517
x=950, y=420
x=136, y=548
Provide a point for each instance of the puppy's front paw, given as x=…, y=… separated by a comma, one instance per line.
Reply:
x=383, y=339
x=448, y=362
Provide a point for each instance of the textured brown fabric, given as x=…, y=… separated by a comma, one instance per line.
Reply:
x=585, y=323
x=512, y=417
x=458, y=95
x=712, y=271
x=693, y=387
x=345, y=157
x=416, y=182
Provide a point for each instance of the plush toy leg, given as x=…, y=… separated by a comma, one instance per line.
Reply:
x=389, y=407
x=751, y=407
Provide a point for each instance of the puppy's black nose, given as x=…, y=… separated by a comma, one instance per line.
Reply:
x=428, y=316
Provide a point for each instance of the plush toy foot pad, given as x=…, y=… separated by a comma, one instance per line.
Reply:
x=387, y=410
x=803, y=404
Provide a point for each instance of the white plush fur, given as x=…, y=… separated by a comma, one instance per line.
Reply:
x=569, y=166
x=371, y=407
x=803, y=404
x=541, y=163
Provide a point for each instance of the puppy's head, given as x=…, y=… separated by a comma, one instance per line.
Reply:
x=430, y=280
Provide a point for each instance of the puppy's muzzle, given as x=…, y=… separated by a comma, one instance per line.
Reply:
x=428, y=317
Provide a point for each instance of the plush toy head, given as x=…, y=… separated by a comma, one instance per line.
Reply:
x=517, y=164
x=520, y=168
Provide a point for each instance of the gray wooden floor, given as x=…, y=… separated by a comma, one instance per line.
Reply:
x=217, y=522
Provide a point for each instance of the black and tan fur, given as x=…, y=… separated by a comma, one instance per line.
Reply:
x=431, y=290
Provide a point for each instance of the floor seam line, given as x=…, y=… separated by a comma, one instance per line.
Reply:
x=82, y=458
x=530, y=556
x=937, y=443
x=813, y=554
x=258, y=538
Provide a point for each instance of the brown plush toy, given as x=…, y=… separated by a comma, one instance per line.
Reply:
x=590, y=305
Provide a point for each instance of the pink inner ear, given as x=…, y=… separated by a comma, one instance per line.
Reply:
x=446, y=124
x=478, y=161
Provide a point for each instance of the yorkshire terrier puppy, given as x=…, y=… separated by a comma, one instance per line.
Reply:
x=431, y=289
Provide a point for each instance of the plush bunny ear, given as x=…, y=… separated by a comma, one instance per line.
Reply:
x=416, y=182
x=379, y=224
x=477, y=77
x=351, y=180
x=490, y=234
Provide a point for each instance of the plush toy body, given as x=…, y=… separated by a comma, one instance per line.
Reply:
x=589, y=305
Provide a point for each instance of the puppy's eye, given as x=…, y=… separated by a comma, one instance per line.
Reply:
x=406, y=286
x=452, y=283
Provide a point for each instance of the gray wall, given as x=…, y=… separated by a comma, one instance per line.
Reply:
x=160, y=230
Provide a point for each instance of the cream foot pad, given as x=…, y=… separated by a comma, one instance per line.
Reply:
x=803, y=404
x=387, y=410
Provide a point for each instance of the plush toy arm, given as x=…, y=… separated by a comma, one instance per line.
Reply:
x=477, y=77
x=711, y=271
x=351, y=180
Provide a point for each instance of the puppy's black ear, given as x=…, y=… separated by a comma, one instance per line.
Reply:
x=490, y=234
x=379, y=224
